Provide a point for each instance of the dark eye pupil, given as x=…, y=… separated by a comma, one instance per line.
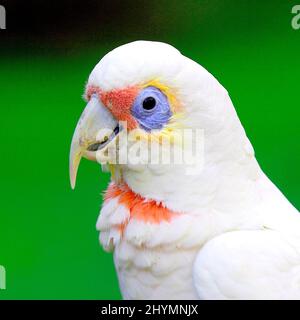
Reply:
x=149, y=103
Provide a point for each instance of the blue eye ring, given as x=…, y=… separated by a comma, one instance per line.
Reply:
x=151, y=109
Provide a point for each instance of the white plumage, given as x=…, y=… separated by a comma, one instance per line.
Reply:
x=236, y=235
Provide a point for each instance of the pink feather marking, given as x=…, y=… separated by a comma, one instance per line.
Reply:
x=119, y=102
x=140, y=208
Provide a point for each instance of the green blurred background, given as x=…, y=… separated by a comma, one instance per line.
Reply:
x=48, y=242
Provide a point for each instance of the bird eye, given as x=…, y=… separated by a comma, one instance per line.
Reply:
x=151, y=109
x=149, y=103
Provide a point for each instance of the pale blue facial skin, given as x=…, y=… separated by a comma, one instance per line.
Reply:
x=155, y=118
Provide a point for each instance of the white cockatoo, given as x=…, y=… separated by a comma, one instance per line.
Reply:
x=222, y=232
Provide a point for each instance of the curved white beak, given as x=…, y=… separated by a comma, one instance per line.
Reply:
x=93, y=131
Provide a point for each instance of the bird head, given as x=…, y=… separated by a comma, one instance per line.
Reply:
x=154, y=91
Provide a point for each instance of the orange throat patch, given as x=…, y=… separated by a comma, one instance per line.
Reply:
x=141, y=209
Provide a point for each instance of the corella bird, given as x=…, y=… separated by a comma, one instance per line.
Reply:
x=224, y=232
